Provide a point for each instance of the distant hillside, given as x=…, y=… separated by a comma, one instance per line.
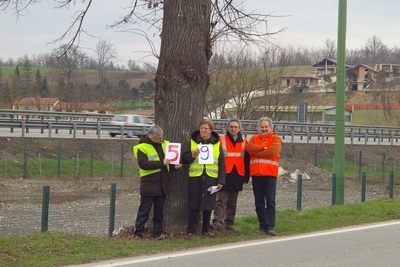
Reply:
x=134, y=78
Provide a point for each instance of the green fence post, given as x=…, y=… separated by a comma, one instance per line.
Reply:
x=122, y=161
x=333, y=202
x=299, y=190
x=363, y=186
x=359, y=164
x=45, y=208
x=25, y=159
x=292, y=151
x=113, y=192
x=391, y=183
x=59, y=160
x=383, y=165
x=91, y=159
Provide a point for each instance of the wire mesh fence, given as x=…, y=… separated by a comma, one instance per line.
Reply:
x=80, y=203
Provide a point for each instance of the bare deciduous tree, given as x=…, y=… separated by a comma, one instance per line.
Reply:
x=189, y=30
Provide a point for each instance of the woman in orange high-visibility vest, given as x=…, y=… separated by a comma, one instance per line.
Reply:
x=264, y=149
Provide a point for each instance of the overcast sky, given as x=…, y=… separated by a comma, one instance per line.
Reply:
x=308, y=23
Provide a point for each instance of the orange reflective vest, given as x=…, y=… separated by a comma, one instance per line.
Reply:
x=264, y=166
x=234, y=155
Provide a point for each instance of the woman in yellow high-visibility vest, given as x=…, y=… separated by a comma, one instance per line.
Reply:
x=154, y=171
x=203, y=176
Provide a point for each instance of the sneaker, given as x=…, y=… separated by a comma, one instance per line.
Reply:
x=138, y=237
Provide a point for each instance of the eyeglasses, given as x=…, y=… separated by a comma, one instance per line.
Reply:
x=233, y=127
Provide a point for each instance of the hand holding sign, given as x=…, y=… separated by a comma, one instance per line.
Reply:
x=173, y=153
x=206, y=155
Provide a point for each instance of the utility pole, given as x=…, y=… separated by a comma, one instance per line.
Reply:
x=340, y=96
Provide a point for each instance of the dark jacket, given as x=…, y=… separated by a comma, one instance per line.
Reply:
x=234, y=181
x=156, y=183
x=199, y=197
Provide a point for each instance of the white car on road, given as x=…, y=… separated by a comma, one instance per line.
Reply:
x=129, y=120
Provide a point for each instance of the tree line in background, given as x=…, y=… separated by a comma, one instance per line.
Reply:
x=373, y=51
x=67, y=81
x=247, y=84
x=237, y=76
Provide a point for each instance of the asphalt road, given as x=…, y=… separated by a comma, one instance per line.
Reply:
x=367, y=245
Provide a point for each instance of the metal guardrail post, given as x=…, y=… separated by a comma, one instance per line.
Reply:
x=74, y=130
x=45, y=208
x=56, y=123
x=111, y=223
x=98, y=131
x=23, y=129
x=49, y=125
x=122, y=131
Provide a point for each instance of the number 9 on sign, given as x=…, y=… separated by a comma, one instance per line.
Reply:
x=206, y=155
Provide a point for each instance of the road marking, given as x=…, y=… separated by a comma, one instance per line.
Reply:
x=246, y=244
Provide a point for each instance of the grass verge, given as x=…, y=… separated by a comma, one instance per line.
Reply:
x=49, y=249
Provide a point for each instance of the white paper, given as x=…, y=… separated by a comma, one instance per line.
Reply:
x=206, y=155
x=173, y=153
x=212, y=189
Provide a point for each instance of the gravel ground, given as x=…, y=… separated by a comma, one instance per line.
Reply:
x=82, y=205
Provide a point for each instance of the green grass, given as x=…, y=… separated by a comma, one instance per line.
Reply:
x=47, y=249
x=375, y=117
x=68, y=168
x=129, y=106
x=351, y=169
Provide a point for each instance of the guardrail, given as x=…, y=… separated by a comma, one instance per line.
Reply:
x=53, y=122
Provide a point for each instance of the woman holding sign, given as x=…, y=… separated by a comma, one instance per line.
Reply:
x=154, y=170
x=206, y=174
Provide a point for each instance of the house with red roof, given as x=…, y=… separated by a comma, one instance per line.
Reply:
x=298, y=78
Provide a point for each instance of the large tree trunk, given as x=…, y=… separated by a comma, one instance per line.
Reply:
x=181, y=85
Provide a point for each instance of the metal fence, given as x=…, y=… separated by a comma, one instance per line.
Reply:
x=86, y=205
x=50, y=124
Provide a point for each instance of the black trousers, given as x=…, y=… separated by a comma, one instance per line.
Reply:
x=146, y=202
x=193, y=217
x=264, y=189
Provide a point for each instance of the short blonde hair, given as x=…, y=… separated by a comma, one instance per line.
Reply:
x=208, y=122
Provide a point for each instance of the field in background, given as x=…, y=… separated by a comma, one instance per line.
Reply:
x=375, y=117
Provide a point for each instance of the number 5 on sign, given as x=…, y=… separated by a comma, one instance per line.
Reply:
x=206, y=155
x=173, y=153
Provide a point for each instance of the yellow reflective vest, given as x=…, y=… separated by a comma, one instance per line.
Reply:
x=152, y=155
x=196, y=169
